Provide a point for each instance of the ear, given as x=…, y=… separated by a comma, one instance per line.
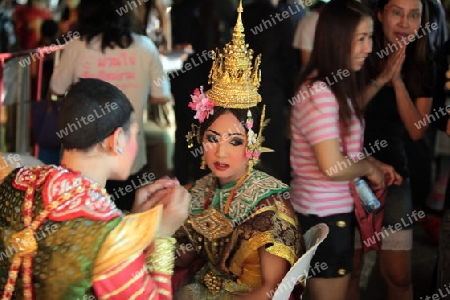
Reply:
x=116, y=141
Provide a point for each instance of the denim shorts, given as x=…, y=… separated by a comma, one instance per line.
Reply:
x=398, y=206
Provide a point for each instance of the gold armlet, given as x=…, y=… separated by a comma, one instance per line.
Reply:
x=162, y=258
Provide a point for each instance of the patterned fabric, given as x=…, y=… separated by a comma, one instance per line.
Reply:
x=121, y=272
x=63, y=264
x=260, y=216
x=130, y=280
x=83, y=248
x=85, y=201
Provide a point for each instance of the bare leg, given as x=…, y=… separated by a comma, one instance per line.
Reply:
x=328, y=288
x=353, y=287
x=396, y=270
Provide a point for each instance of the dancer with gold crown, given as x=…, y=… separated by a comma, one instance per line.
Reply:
x=240, y=222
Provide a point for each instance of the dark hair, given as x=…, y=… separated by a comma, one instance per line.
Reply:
x=49, y=28
x=65, y=15
x=102, y=104
x=416, y=67
x=337, y=23
x=102, y=17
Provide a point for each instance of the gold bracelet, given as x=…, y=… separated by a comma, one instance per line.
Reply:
x=162, y=258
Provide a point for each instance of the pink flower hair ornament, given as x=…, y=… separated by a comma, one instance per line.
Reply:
x=203, y=106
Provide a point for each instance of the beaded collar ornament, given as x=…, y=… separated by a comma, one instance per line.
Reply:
x=235, y=84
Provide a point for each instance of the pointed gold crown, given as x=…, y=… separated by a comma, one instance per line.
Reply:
x=234, y=81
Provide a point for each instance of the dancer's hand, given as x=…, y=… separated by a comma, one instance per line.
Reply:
x=176, y=209
x=151, y=195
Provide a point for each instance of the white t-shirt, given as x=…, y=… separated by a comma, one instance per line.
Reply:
x=137, y=71
x=304, y=35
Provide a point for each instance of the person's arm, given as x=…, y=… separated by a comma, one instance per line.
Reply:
x=412, y=114
x=64, y=74
x=143, y=271
x=317, y=119
x=124, y=272
x=394, y=62
x=305, y=56
x=307, y=39
x=372, y=89
x=391, y=176
x=270, y=276
x=304, y=37
x=159, y=81
x=165, y=24
x=330, y=161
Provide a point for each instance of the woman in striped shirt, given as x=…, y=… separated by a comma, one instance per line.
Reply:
x=327, y=139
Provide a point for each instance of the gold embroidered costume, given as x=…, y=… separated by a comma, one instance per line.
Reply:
x=77, y=243
x=228, y=225
x=259, y=216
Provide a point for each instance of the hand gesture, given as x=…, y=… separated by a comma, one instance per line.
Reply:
x=176, y=210
x=151, y=195
x=392, y=69
x=375, y=177
x=390, y=175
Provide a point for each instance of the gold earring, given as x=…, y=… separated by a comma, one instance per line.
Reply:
x=250, y=165
x=203, y=163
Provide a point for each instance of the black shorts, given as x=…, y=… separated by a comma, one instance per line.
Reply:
x=334, y=256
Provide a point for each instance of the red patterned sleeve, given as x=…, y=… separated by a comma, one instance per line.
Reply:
x=132, y=280
x=135, y=263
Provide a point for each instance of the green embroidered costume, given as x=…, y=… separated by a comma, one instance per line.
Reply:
x=260, y=215
x=61, y=237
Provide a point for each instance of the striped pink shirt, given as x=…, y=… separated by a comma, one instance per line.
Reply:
x=315, y=118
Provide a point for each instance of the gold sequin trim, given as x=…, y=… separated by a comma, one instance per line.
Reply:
x=282, y=251
x=287, y=218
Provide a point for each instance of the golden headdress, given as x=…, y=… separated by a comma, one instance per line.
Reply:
x=235, y=84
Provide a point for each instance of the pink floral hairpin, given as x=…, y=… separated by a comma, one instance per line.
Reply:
x=201, y=104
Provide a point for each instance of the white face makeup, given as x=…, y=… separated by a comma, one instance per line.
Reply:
x=224, y=143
